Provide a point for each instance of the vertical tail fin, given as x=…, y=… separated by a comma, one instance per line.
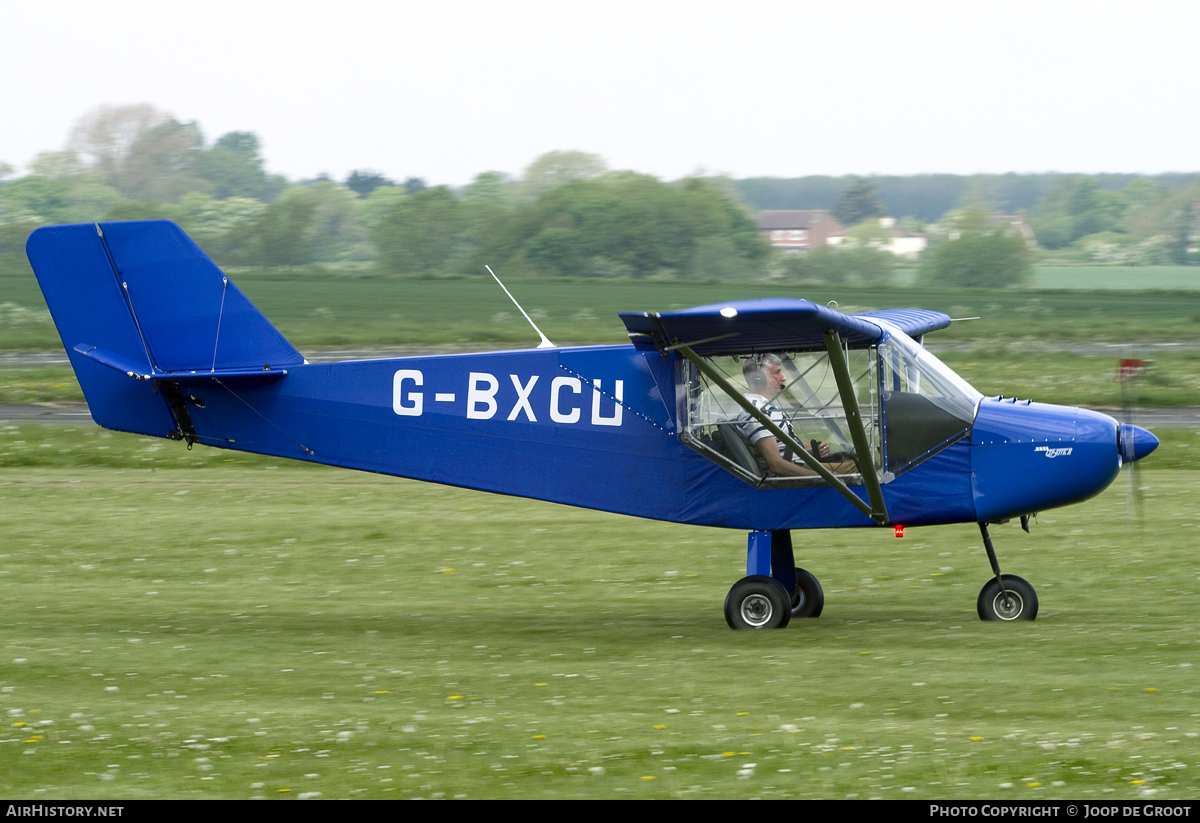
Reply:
x=141, y=299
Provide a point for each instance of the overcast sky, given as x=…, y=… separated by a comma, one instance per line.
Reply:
x=444, y=90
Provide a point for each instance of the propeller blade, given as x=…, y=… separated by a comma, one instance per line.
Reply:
x=1133, y=442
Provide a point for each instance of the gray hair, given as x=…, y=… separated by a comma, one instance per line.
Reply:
x=758, y=362
x=754, y=369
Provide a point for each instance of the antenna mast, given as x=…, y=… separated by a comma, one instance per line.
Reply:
x=545, y=344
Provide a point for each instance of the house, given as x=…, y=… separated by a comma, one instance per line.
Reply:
x=1016, y=224
x=889, y=237
x=798, y=230
x=904, y=243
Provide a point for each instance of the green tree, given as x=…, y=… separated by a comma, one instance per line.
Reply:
x=335, y=233
x=717, y=258
x=1146, y=199
x=375, y=206
x=864, y=265
x=105, y=137
x=485, y=201
x=859, y=201
x=493, y=188
x=977, y=255
x=1074, y=207
x=233, y=167
x=557, y=168
x=212, y=222
x=364, y=182
x=1179, y=228
x=134, y=210
x=60, y=190
x=621, y=222
x=420, y=233
x=160, y=165
x=37, y=198
x=558, y=249
x=280, y=236
x=12, y=247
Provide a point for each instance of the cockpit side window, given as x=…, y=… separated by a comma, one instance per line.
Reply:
x=808, y=407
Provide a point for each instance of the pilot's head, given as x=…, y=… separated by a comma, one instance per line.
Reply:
x=764, y=374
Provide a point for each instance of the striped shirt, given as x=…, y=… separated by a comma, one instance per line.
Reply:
x=753, y=431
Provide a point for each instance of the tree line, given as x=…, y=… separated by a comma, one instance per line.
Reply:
x=567, y=214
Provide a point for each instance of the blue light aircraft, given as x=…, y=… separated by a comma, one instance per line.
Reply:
x=678, y=426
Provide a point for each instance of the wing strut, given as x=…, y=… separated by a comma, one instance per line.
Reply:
x=715, y=376
x=862, y=449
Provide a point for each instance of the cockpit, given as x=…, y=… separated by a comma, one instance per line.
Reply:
x=910, y=404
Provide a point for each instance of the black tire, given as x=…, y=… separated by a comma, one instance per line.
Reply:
x=758, y=602
x=1022, y=600
x=808, y=600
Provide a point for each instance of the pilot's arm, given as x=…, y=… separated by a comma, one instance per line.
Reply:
x=768, y=447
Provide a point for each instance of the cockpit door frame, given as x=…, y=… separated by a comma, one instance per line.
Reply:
x=876, y=509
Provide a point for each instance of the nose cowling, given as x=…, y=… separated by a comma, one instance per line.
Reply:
x=1029, y=457
x=1134, y=443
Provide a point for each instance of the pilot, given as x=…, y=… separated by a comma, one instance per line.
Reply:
x=765, y=379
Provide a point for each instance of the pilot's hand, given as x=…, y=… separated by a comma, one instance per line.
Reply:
x=819, y=449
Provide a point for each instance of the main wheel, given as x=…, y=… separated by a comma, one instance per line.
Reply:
x=808, y=600
x=758, y=602
x=1021, y=603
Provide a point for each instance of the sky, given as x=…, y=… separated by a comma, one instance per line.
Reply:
x=446, y=90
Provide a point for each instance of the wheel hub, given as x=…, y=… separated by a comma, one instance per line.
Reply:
x=756, y=610
x=1008, y=606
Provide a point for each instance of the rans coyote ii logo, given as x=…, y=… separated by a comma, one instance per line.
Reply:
x=1054, y=452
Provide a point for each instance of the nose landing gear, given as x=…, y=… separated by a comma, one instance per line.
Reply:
x=1005, y=597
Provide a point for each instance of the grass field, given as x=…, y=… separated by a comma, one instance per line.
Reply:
x=1117, y=277
x=210, y=624
x=325, y=310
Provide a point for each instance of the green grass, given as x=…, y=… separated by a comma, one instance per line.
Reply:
x=178, y=626
x=1035, y=369
x=1117, y=277
x=323, y=309
x=51, y=384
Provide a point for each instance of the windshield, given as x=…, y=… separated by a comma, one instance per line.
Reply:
x=919, y=371
x=926, y=405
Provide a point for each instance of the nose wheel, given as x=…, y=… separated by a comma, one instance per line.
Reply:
x=1005, y=597
x=1018, y=600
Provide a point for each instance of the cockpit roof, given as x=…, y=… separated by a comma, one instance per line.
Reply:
x=770, y=324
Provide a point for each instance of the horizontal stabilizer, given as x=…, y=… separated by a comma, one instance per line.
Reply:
x=138, y=371
x=130, y=368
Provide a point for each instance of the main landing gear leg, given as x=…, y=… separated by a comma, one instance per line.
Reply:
x=773, y=590
x=1006, y=596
